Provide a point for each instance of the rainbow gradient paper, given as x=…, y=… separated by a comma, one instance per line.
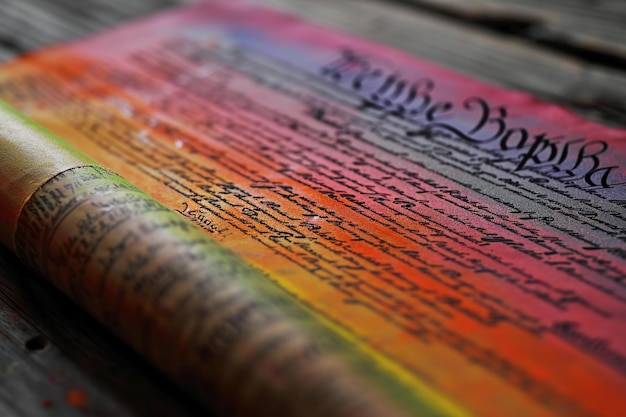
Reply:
x=467, y=238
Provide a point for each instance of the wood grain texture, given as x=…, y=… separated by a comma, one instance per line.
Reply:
x=29, y=24
x=594, y=26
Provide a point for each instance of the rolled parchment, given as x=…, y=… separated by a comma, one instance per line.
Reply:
x=198, y=312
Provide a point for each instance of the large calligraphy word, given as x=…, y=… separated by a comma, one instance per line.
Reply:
x=567, y=160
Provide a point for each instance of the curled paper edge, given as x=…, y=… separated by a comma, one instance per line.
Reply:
x=29, y=157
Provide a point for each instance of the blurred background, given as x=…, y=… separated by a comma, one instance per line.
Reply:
x=572, y=52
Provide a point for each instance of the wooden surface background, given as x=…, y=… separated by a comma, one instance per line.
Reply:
x=56, y=361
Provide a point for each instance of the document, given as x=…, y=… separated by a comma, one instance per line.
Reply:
x=457, y=247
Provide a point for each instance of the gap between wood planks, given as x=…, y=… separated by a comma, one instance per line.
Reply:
x=530, y=26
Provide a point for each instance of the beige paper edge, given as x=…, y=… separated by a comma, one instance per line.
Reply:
x=28, y=158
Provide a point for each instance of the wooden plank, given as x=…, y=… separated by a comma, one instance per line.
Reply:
x=592, y=90
x=598, y=27
x=29, y=24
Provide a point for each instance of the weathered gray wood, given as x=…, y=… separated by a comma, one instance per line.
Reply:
x=594, y=26
x=29, y=24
